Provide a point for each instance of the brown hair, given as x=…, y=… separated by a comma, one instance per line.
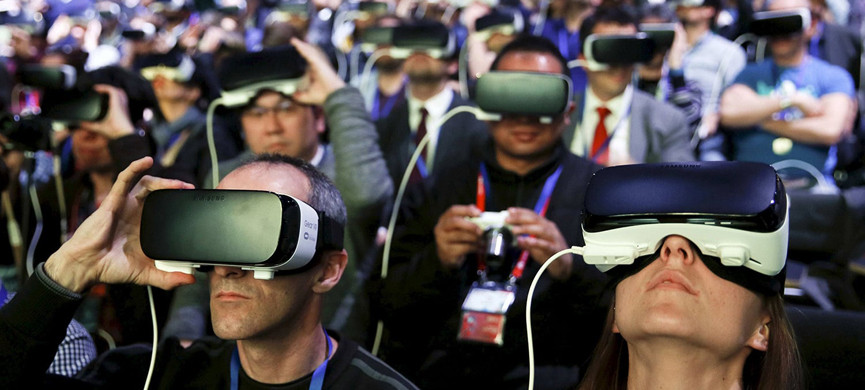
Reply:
x=780, y=367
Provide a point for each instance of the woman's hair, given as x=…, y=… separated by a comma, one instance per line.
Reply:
x=780, y=367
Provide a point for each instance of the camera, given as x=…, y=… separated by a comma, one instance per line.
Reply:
x=25, y=133
x=496, y=240
x=66, y=95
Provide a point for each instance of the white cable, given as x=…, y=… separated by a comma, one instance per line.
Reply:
x=572, y=250
x=367, y=67
x=355, y=62
x=463, y=69
x=398, y=200
x=822, y=184
x=37, y=233
x=155, y=338
x=211, y=142
x=61, y=199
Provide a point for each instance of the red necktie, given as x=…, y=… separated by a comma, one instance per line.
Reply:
x=418, y=136
x=601, y=138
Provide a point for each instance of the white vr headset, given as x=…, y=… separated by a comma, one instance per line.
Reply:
x=735, y=211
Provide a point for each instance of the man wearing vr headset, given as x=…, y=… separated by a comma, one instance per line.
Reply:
x=428, y=99
x=439, y=265
x=615, y=123
x=711, y=61
x=280, y=339
x=181, y=87
x=292, y=125
x=793, y=106
x=697, y=298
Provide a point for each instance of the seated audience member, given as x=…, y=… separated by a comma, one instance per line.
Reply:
x=564, y=32
x=276, y=323
x=791, y=106
x=429, y=98
x=683, y=318
x=179, y=128
x=522, y=168
x=293, y=126
x=712, y=61
x=388, y=89
x=663, y=76
x=616, y=123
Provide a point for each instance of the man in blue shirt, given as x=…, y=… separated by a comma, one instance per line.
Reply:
x=793, y=106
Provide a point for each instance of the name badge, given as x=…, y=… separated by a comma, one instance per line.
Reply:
x=483, y=317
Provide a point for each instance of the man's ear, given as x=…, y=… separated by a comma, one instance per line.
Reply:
x=318, y=120
x=759, y=340
x=331, y=271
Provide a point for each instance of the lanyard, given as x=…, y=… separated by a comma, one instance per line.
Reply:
x=3, y=295
x=388, y=104
x=627, y=97
x=317, y=375
x=540, y=208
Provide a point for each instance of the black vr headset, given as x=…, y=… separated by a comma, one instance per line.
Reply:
x=546, y=95
x=432, y=38
x=735, y=213
x=66, y=95
x=781, y=23
x=662, y=34
x=259, y=231
x=241, y=76
x=602, y=51
x=502, y=21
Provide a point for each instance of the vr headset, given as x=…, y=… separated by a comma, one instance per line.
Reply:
x=66, y=96
x=173, y=66
x=780, y=23
x=545, y=95
x=434, y=39
x=499, y=21
x=241, y=76
x=662, y=34
x=376, y=37
x=602, y=51
x=736, y=212
x=258, y=231
x=145, y=33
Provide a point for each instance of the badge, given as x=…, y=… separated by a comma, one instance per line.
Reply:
x=483, y=318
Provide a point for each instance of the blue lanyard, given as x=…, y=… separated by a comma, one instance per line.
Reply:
x=564, y=42
x=3, y=295
x=317, y=375
x=388, y=104
x=541, y=207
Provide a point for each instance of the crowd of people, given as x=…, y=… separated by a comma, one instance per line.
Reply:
x=328, y=102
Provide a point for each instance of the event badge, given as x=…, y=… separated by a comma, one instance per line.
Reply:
x=483, y=318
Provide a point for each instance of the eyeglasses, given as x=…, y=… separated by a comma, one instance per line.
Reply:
x=283, y=108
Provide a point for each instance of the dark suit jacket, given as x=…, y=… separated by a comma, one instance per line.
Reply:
x=659, y=131
x=456, y=138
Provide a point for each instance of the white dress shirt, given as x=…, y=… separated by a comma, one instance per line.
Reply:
x=436, y=107
x=617, y=126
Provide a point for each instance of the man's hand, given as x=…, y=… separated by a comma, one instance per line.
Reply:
x=116, y=123
x=323, y=80
x=456, y=236
x=678, y=49
x=106, y=247
x=542, y=238
x=809, y=105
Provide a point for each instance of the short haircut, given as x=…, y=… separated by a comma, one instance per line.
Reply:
x=533, y=44
x=324, y=197
x=622, y=15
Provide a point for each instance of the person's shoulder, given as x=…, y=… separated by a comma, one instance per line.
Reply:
x=356, y=368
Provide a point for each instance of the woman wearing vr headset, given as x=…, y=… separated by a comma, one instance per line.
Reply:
x=681, y=318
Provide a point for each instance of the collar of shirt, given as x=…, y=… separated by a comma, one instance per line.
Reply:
x=617, y=106
x=319, y=155
x=436, y=107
